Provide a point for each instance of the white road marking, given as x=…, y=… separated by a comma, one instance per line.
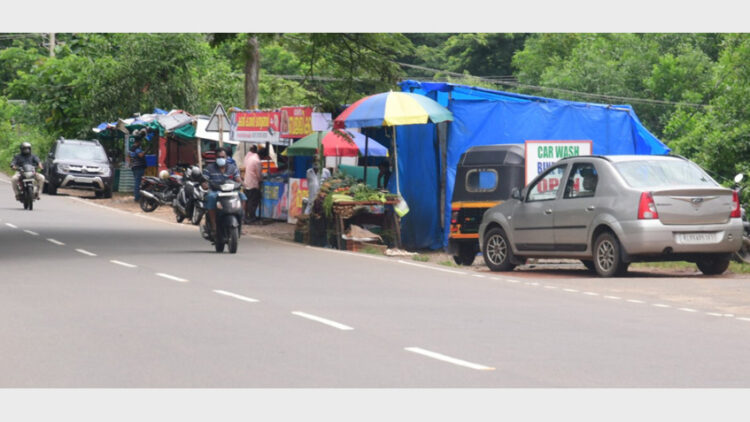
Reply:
x=32, y=233
x=171, y=277
x=635, y=301
x=729, y=315
x=550, y=287
x=661, y=305
x=510, y=280
x=12, y=226
x=236, y=296
x=56, y=242
x=613, y=297
x=478, y=275
x=591, y=293
x=431, y=268
x=687, y=309
x=714, y=314
x=85, y=252
x=532, y=284
x=323, y=320
x=570, y=290
x=124, y=264
x=448, y=359
x=744, y=319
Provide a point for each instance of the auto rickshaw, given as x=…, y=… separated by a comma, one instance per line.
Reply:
x=485, y=176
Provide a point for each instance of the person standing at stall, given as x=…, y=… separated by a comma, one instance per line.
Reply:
x=251, y=183
x=315, y=178
x=137, y=162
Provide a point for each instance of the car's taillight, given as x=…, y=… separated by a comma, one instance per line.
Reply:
x=736, y=210
x=647, y=207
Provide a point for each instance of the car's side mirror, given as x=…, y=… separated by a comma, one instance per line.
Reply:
x=110, y=159
x=515, y=194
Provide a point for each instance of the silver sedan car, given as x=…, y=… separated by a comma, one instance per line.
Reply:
x=609, y=211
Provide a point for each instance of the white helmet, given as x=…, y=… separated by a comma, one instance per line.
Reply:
x=163, y=175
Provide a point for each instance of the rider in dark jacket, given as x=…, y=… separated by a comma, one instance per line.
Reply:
x=19, y=160
x=216, y=174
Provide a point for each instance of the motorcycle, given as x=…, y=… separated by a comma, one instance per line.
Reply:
x=742, y=255
x=184, y=203
x=26, y=186
x=229, y=214
x=199, y=207
x=157, y=191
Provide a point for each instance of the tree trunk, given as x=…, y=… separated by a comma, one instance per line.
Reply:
x=252, y=73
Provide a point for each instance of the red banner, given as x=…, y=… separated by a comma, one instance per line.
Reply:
x=296, y=122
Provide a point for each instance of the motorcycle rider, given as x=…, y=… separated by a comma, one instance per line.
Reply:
x=19, y=160
x=216, y=174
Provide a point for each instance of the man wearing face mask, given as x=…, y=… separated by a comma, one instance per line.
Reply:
x=216, y=174
x=19, y=160
x=315, y=178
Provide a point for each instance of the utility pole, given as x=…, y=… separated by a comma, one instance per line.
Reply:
x=52, y=44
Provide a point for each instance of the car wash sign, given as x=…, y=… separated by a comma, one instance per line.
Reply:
x=541, y=155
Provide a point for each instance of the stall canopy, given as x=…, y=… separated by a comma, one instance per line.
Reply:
x=485, y=117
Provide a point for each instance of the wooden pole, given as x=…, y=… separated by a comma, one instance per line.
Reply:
x=395, y=159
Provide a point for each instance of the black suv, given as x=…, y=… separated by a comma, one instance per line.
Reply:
x=74, y=164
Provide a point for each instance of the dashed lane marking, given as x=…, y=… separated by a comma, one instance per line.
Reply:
x=635, y=301
x=56, y=242
x=687, y=309
x=124, y=264
x=448, y=359
x=328, y=322
x=171, y=277
x=12, y=226
x=85, y=252
x=570, y=290
x=591, y=294
x=661, y=305
x=236, y=296
x=31, y=232
x=613, y=297
x=744, y=319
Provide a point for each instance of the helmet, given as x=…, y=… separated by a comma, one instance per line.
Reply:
x=25, y=148
x=163, y=175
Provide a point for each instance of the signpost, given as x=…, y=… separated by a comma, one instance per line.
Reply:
x=218, y=122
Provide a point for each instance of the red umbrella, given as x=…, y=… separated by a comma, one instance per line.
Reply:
x=336, y=144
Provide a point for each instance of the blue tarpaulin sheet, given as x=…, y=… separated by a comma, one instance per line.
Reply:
x=486, y=117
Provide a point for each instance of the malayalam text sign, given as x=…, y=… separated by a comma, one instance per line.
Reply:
x=296, y=122
x=541, y=155
x=258, y=126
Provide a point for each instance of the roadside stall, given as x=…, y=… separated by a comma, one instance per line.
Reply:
x=343, y=203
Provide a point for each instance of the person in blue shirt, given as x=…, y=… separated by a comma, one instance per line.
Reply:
x=216, y=174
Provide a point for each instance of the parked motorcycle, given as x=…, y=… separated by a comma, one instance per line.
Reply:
x=26, y=186
x=184, y=203
x=742, y=255
x=160, y=190
x=229, y=214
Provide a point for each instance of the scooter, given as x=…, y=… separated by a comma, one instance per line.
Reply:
x=26, y=186
x=742, y=255
x=199, y=207
x=229, y=214
x=184, y=203
x=157, y=191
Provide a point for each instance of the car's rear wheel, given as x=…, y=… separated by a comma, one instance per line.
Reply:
x=714, y=265
x=466, y=254
x=607, y=256
x=497, y=252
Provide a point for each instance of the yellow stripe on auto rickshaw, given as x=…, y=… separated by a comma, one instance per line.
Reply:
x=485, y=204
x=464, y=236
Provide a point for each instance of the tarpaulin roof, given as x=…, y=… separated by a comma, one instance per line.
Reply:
x=484, y=117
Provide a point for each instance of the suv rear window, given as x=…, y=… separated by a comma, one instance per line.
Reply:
x=645, y=173
x=69, y=151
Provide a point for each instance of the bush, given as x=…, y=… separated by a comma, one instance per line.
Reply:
x=15, y=129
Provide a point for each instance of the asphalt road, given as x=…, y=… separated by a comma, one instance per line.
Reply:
x=94, y=297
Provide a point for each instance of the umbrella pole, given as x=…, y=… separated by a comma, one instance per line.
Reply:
x=367, y=141
x=395, y=159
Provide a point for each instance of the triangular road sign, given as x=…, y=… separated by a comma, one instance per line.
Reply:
x=213, y=122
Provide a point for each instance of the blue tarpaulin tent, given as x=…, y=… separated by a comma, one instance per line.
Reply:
x=486, y=117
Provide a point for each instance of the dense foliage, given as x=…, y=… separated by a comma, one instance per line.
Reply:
x=691, y=90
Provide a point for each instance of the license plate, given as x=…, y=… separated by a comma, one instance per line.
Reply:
x=696, y=238
x=83, y=180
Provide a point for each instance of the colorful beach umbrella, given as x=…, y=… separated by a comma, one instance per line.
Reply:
x=335, y=144
x=392, y=109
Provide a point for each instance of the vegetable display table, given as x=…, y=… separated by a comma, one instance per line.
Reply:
x=343, y=210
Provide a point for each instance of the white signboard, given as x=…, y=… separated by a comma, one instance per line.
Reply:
x=541, y=155
x=218, y=120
